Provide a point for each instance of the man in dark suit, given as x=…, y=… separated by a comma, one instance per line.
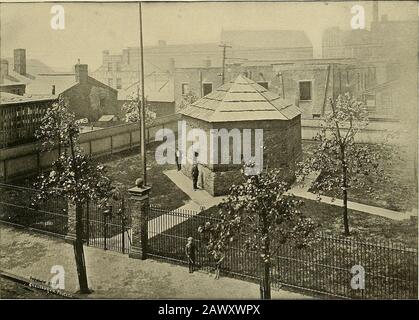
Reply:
x=195, y=175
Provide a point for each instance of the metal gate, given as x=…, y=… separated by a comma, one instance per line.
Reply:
x=108, y=228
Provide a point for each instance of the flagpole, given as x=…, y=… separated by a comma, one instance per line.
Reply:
x=143, y=102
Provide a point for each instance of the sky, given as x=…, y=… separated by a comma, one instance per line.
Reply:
x=91, y=28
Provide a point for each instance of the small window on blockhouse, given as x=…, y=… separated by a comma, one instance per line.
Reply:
x=305, y=90
x=264, y=84
x=119, y=83
x=206, y=88
x=185, y=88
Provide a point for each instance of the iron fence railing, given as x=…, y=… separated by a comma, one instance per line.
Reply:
x=391, y=270
x=17, y=206
x=108, y=228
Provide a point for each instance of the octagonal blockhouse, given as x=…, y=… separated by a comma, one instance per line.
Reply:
x=240, y=107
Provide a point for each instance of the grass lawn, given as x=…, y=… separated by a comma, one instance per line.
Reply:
x=363, y=226
x=125, y=167
x=398, y=194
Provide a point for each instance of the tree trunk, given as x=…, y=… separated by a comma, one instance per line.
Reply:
x=79, y=251
x=266, y=282
x=345, y=201
x=345, y=213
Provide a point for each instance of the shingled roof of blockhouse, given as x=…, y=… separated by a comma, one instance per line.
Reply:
x=241, y=100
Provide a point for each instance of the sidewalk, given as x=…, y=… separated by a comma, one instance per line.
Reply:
x=200, y=197
x=114, y=275
x=203, y=199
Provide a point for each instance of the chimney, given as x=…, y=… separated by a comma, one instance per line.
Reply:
x=162, y=43
x=375, y=11
x=53, y=90
x=81, y=72
x=19, y=65
x=4, y=69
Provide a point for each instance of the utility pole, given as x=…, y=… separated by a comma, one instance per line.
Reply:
x=143, y=101
x=224, y=46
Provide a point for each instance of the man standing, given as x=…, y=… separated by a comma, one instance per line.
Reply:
x=195, y=175
x=190, y=254
x=178, y=159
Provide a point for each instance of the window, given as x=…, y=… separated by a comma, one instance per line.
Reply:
x=110, y=82
x=264, y=84
x=305, y=90
x=109, y=66
x=206, y=88
x=185, y=88
x=102, y=103
x=118, y=83
x=370, y=102
x=118, y=66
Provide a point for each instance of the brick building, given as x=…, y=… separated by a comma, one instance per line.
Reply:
x=243, y=104
x=307, y=82
x=121, y=70
x=310, y=83
x=158, y=93
x=387, y=44
x=87, y=97
x=14, y=80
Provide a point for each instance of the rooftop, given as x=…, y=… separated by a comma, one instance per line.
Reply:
x=43, y=83
x=161, y=90
x=9, y=98
x=241, y=100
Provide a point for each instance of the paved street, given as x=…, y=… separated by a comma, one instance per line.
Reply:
x=114, y=275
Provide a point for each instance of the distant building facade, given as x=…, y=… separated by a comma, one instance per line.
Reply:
x=158, y=93
x=121, y=70
x=14, y=80
x=87, y=97
x=20, y=117
x=306, y=83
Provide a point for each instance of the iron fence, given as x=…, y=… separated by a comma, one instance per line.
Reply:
x=17, y=207
x=391, y=270
x=108, y=228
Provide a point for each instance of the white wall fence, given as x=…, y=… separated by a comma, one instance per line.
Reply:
x=25, y=160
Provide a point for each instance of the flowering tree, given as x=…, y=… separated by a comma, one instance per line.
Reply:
x=53, y=130
x=262, y=212
x=74, y=176
x=343, y=164
x=187, y=99
x=131, y=109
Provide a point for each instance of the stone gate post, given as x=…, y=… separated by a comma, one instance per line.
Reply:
x=139, y=198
